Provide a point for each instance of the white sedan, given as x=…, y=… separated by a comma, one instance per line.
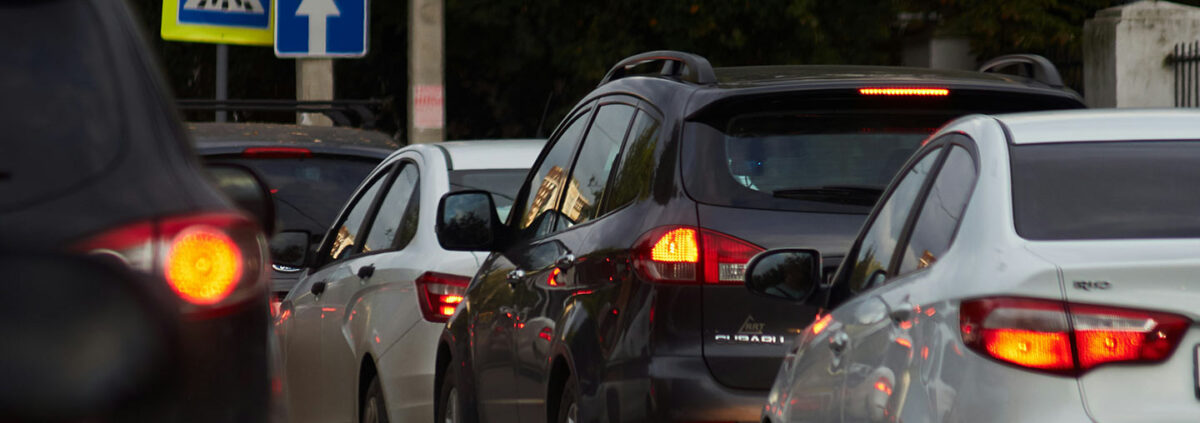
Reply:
x=358, y=332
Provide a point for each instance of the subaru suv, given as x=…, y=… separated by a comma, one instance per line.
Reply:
x=613, y=291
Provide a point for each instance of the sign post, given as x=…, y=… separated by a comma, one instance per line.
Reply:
x=313, y=32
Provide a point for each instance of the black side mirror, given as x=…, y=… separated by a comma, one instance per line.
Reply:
x=789, y=274
x=467, y=221
x=247, y=191
x=289, y=251
x=89, y=340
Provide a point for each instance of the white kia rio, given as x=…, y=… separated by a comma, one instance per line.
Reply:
x=358, y=332
x=1020, y=268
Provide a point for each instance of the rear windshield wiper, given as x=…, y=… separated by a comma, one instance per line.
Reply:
x=849, y=194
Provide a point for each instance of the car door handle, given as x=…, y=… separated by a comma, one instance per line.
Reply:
x=318, y=288
x=565, y=262
x=366, y=271
x=901, y=313
x=514, y=277
x=838, y=342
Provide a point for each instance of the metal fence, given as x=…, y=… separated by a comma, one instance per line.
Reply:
x=1186, y=61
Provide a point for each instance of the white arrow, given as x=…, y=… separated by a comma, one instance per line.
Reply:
x=317, y=11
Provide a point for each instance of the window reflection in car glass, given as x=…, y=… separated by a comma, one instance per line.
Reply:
x=549, y=177
x=393, y=226
x=590, y=175
x=939, y=217
x=344, y=240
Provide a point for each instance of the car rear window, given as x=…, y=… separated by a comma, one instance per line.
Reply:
x=502, y=183
x=1106, y=190
x=822, y=151
x=309, y=192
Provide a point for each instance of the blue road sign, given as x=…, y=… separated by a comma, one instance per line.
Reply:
x=321, y=28
x=239, y=13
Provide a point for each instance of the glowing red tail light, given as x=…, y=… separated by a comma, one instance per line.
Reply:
x=684, y=254
x=206, y=259
x=439, y=294
x=1067, y=338
x=277, y=152
x=905, y=91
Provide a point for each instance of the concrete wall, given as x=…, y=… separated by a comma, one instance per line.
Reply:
x=1124, y=52
x=939, y=52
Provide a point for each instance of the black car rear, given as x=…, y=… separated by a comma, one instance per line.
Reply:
x=615, y=287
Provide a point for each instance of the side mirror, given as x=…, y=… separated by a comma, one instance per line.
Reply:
x=247, y=191
x=467, y=221
x=789, y=274
x=289, y=251
x=88, y=340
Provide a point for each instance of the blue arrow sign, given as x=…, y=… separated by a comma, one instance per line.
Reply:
x=321, y=28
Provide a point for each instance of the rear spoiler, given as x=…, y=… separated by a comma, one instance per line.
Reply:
x=1031, y=66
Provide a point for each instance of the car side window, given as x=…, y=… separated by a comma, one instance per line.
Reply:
x=345, y=240
x=938, y=218
x=396, y=221
x=537, y=217
x=870, y=265
x=585, y=189
x=636, y=169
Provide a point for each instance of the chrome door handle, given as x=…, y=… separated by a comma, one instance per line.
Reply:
x=838, y=342
x=514, y=277
x=565, y=262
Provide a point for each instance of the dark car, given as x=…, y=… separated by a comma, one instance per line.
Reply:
x=311, y=172
x=95, y=161
x=614, y=289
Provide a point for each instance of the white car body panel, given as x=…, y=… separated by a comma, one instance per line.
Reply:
x=377, y=321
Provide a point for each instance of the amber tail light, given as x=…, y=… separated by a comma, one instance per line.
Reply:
x=687, y=255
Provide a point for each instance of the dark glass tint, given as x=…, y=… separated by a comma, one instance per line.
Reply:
x=308, y=192
x=870, y=265
x=940, y=215
x=502, y=183
x=1107, y=190
x=585, y=189
x=636, y=171
x=396, y=221
x=345, y=239
x=548, y=179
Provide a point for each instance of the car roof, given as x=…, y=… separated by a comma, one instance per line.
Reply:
x=1102, y=125
x=222, y=138
x=756, y=76
x=491, y=154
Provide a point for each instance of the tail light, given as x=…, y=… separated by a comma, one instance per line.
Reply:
x=1067, y=338
x=440, y=294
x=206, y=259
x=905, y=91
x=683, y=254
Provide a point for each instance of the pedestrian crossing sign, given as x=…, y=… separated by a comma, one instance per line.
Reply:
x=247, y=22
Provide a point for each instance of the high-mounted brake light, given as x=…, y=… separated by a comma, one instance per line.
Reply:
x=1067, y=338
x=685, y=254
x=905, y=91
x=439, y=294
x=277, y=152
x=206, y=259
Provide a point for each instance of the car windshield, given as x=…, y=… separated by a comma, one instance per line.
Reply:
x=308, y=192
x=1106, y=190
x=502, y=183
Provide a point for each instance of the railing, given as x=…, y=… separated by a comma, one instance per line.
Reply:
x=353, y=113
x=1186, y=60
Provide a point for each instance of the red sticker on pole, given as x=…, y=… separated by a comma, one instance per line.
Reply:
x=428, y=107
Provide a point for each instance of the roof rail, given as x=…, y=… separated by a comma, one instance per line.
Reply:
x=695, y=69
x=1032, y=65
x=352, y=113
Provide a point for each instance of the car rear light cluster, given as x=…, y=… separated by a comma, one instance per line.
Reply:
x=1067, y=338
x=439, y=294
x=905, y=91
x=206, y=259
x=683, y=254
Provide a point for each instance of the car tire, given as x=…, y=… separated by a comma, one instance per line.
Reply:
x=568, y=405
x=373, y=409
x=451, y=405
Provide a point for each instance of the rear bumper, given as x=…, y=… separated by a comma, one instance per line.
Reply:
x=225, y=366
x=671, y=389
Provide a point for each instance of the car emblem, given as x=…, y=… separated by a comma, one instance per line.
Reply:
x=1090, y=285
x=751, y=332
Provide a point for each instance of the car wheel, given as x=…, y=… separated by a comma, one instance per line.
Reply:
x=373, y=409
x=452, y=408
x=568, y=406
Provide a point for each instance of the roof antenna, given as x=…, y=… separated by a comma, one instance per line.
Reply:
x=545, y=110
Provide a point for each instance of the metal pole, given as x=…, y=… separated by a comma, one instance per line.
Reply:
x=222, y=77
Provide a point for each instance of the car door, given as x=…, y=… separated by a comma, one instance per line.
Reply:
x=533, y=219
x=897, y=347
x=830, y=375
x=308, y=308
x=340, y=356
x=557, y=262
